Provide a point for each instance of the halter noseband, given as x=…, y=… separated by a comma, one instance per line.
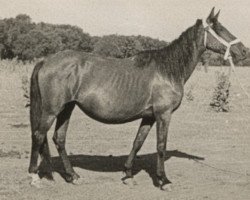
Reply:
x=208, y=28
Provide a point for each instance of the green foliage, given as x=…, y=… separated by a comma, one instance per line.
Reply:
x=213, y=59
x=189, y=94
x=120, y=46
x=27, y=40
x=220, y=99
x=26, y=89
x=21, y=38
x=246, y=62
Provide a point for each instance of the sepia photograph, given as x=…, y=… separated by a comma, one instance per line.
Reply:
x=124, y=100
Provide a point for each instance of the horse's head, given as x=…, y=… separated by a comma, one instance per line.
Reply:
x=220, y=40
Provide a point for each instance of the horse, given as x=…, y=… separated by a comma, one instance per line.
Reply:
x=149, y=87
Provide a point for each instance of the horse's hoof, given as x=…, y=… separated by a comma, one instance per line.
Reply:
x=47, y=175
x=77, y=181
x=72, y=178
x=129, y=181
x=35, y=180
x=166, y=187
x=36, y=184
x=164, y=183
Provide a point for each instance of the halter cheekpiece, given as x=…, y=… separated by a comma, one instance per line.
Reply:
x=208, y=28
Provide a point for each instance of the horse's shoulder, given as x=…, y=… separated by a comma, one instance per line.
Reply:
x=166, y=88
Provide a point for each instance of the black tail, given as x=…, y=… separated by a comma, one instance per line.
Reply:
x=35, y=99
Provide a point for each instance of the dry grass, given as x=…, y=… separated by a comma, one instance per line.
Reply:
x=99, y=150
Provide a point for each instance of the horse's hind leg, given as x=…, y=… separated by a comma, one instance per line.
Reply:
x=40, y=145
x=142, y=133
x=45, y=155
x=59, y=140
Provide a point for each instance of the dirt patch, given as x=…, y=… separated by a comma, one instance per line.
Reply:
x=10, y=154
x=21, y=125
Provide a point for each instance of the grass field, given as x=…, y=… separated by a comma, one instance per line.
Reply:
x=98, y=151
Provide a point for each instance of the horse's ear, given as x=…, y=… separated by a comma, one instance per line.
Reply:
x=217, y=15
x=210, y=16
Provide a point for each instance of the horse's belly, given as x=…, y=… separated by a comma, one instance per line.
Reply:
x=109, y=110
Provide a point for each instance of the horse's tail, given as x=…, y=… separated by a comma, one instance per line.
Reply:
x=35, y=99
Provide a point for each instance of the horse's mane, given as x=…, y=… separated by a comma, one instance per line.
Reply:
x=173, y=58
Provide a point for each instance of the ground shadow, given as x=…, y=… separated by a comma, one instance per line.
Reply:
x=146, y=162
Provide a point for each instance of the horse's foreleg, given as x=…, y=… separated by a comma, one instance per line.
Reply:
x=142, y=133
x=162, y=124
x=59, y=140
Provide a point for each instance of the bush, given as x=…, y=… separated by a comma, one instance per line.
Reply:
x=120, y=46
x=21, y=38
x=220, y=99
x=189, y=94
x=26, y=89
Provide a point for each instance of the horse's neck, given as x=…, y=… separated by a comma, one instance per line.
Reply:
x=195, y=57
x=186, y=52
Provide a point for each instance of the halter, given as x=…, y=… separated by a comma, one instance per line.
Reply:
x=208, y=28
x=227, y=55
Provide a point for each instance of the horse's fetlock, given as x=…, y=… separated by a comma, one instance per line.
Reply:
x=60, y=143
x=57, y=140
x=33, y=169
x=38, y=137
x=127, y=166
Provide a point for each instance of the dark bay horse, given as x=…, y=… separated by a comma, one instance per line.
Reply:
x=149, y=86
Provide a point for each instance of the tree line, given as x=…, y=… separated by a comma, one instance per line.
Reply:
x=26, y=40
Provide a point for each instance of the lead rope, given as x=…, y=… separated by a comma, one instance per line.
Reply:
x=219, y=169
x=236, y=76
x=227, y=56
